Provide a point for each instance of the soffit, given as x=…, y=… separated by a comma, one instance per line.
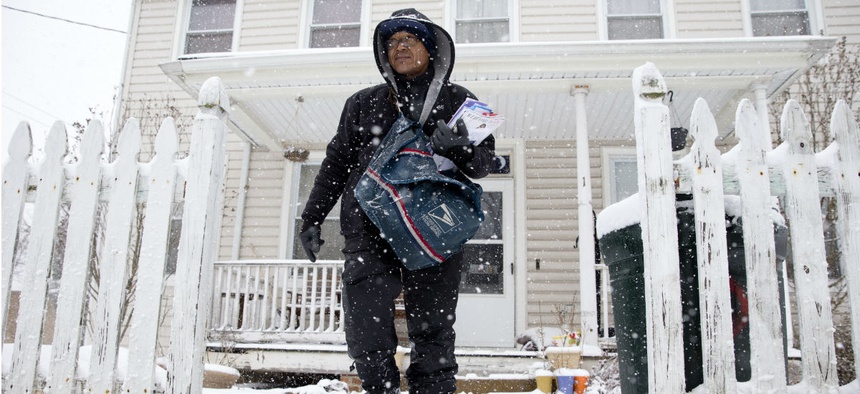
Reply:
x=296, y=97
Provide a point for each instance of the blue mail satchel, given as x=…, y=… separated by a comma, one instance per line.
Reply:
x=425, y=215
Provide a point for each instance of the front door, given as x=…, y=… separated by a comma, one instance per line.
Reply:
x=485, y=312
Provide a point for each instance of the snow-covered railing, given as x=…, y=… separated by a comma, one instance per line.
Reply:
x=277, y=301
x=755, y=173
x=85, y=183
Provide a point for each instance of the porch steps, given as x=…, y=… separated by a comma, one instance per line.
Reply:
x=508, y=383
x=481, y=370
x=496, y=384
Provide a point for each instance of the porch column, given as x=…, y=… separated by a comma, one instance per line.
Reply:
x=760, y=92
x=240, y=203
x=587, y=287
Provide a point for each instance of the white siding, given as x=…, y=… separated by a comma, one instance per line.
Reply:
x=261, y=230
x=547, y=20
x=708, y=19
x=269, y=24
x=147, y=91
x=382, y=10
x=152, y=44
x=552, y=224
x=551, y=228
x=841, y=18
x=231, y=195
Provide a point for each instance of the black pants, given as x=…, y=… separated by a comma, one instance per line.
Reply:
x=373, y=278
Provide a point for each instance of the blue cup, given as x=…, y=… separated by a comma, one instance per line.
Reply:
x=565, y=384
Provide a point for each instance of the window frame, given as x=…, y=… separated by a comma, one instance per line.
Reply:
x=183, y=20
x=667, y=19
x=292, y=207
x=306, y=20
x=503, y=240
x=610, y=155
x=813, y=16
x=513, y=22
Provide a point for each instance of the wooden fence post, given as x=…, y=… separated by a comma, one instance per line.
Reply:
x=766, y=336
x=143, y=333
x=659, y=233
x=123, y=173
x=28, y=335
x=843, y=128
x=198, y=244
x=706, y=175
x=794, y=158
x=84, y=188
x=16, y=179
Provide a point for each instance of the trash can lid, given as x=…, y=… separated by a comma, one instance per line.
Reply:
x=628, y=212
x=622, y=214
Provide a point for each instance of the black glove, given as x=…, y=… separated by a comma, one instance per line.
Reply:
x=311, y=242
x=453, y=144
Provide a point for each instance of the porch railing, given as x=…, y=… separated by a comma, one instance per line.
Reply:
x=294, y=301
x=755, y=173
x=272, y=301
x=605, y=337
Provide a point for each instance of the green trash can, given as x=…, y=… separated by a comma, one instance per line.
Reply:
x=622, y=251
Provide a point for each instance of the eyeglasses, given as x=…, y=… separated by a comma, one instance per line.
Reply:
x=409, y=41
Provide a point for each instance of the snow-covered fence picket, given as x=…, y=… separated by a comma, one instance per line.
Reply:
x=84, y=184
x=757, y=174
x=662, y=281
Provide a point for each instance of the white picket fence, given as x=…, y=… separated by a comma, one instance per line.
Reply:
x=752, y=170
x=119, y=184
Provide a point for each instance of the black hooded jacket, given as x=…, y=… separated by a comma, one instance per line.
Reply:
x=368, y=115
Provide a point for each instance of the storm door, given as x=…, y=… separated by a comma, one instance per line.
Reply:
x=485, y=312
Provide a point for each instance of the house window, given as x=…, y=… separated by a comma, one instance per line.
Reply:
x=482, y=21
x=335, y=23
x=634, y=19
x=483, y=256
x=623, y=177
x=779, y=17
x=210, y=26
x=330, y=227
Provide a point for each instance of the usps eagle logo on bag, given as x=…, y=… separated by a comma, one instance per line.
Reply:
x=441, y=220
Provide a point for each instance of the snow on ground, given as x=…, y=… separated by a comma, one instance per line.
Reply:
x=800, y=388
x=324, y=386
x=596, y=386
x=604, y=378
x=84, y=354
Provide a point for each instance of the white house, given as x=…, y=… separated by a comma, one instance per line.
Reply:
x=560, y=73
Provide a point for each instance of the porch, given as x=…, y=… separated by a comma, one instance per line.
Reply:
x=577, y=93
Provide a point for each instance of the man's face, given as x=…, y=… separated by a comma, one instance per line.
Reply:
x=407, y=54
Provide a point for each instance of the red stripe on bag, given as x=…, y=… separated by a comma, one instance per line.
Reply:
x=414, y=151
x=409, y=224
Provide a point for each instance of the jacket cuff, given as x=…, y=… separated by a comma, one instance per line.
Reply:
x=462, y=156
x=306, y=224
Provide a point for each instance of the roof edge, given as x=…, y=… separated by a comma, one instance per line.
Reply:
x=469, y=53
